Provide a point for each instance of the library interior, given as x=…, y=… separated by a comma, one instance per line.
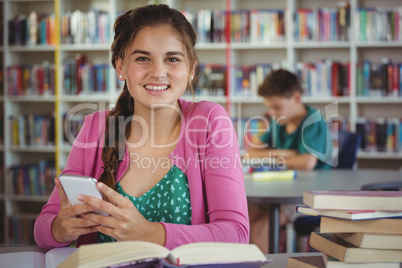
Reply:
x=345, y=55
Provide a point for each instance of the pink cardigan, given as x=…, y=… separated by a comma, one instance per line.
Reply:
x=207, y=152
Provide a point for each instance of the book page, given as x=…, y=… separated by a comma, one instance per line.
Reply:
x=213, y=253
x=57, y=255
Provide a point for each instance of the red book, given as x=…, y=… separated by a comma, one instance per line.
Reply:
x=390, y=72
x=335, y=79
x=395, y=80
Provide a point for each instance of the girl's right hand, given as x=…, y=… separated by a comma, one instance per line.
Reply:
x=69, y=225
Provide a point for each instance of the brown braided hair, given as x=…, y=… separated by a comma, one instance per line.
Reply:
x=126, y=27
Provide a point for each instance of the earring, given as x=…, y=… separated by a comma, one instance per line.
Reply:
x=120, y=76
x=192, y=77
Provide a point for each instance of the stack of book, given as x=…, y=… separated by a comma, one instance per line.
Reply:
x=357, y=228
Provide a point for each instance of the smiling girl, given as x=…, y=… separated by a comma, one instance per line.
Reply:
x=169, y=169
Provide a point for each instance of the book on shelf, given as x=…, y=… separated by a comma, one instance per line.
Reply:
x=324, y=78
x=341, y=250
x=376, y=24
x=31, y=79
x=80, y=27
x=249, y=130
x=384, y=226
x=380, y=134
x=354, y=200
x=373, y=240
x=349, y=214
x=379, y=79
x=317, y=261
x=32, y=180
x=130, y=253
x=32, y=29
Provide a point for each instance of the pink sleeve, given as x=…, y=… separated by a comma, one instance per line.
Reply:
x=223, y=194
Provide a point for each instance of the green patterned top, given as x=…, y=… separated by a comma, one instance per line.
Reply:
x=168, y=201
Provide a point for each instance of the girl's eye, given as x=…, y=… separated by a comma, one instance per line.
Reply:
x=173, y=59
x=141, y=59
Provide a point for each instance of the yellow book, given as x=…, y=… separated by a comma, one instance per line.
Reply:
x=274, y=175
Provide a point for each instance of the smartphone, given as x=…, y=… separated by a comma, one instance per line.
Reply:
x=75, y=185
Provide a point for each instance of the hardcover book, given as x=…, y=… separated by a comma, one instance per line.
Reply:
x=349, y=214
x=373, y=240
x=339, y=249
x=384, y=226
x=354, y=200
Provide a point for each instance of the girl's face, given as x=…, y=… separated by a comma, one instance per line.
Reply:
x=156, y=69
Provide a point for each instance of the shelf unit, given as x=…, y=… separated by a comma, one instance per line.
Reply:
x=286, y=53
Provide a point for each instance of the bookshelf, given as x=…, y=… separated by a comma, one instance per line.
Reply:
x=279, y=49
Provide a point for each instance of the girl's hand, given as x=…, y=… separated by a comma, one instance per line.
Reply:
x=69, y=224
x=125, y=221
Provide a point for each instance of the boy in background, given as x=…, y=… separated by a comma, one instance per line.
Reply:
x=297, y=135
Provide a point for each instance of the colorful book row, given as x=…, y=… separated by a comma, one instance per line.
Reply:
x=379, y=79
x=210, y=81
x=33, y=79
x=71, y=128
x=324, y=78
x=21, y=229
x=90, y=27
x=247, y=79
x=80, y=77
x=249, y=130
x=380, y=134
x=34, y=29
x=33, y=180
x=257, y=26
x=378, y=24
x=32, y=130
x=322, y=24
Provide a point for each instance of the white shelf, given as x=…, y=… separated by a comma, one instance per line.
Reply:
x=218, y=99
x=321, y=45
x=66, y=149
x=17, y=1
x=342, y=99
x=258, y=45
x=318, y=100
x=378, y=100
x=31, y=98
x=378, y=155
x=210, y=46
x=85, y=98
x=247, y=99
x=85, y=47
x=32, y=48
x=33, y=149
x=29, y=198
x=397, y=44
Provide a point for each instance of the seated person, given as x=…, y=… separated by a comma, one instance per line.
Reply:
x=152, y=150
x=297, y=136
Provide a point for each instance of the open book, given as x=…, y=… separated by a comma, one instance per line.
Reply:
x=144, y=254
